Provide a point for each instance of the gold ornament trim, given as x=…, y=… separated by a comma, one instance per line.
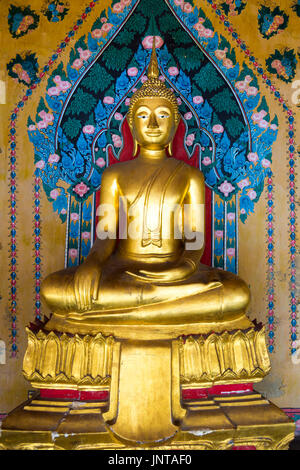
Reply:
x=270, y=441
x=239, y=356
x=61, y=361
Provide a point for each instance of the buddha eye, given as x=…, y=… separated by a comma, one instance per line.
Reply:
x=142, y=116
x=163, y=116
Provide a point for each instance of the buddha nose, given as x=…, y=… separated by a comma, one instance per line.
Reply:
x=152, y=121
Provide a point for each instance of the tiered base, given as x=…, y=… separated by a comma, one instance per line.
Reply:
x=224, y=421
x=146, y=392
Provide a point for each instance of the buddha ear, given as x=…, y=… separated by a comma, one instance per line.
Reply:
x=135, y=147
x=171, y=142
x=135, y=144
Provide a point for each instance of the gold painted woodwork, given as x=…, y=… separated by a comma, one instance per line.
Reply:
x=206, y=427
x=238, y=397
x=245, y=403
x=61, y=361
x=49, y=409
x=239, y=356
x=167, y=293
x=144, y=401
x=85, y=362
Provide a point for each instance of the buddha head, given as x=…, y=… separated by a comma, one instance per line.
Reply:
x=153, y=113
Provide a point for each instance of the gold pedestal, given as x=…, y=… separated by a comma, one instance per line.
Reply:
x=192, y=392
x=245, y=420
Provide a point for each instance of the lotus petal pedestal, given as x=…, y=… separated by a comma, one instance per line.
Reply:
x=127, y=389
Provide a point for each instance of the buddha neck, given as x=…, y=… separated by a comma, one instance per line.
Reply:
x=152, y=156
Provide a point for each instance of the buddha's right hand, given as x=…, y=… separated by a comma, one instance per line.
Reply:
x=86, y=283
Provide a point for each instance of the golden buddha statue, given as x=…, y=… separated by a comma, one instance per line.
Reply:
x=143, y=322
x=151, y=276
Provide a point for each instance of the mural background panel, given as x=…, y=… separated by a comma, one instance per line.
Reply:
x=34, y=48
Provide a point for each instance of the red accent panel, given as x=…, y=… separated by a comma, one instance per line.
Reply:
x=196, y=393
x=97, y=202
x=111, y=157
x=89, y=395
x=243, y=448
x=128, y=144
x=231, y=388
x=127, y=149
x=207, y=254
x=74, y=394
x=178, y=148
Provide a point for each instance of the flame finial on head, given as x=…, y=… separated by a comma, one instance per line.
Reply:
x=153, y=70
x=153, y=88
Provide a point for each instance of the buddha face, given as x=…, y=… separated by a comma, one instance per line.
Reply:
x=153, y=124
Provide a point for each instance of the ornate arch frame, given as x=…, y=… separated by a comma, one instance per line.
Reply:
x=270, y=213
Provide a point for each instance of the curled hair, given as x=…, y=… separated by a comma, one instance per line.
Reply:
x=153, y=88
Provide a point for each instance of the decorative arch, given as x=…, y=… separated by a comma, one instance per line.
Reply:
x=257, y=121
x=78, y=127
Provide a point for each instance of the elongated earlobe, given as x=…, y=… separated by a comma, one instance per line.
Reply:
x=170, y=149
x=135, y=147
